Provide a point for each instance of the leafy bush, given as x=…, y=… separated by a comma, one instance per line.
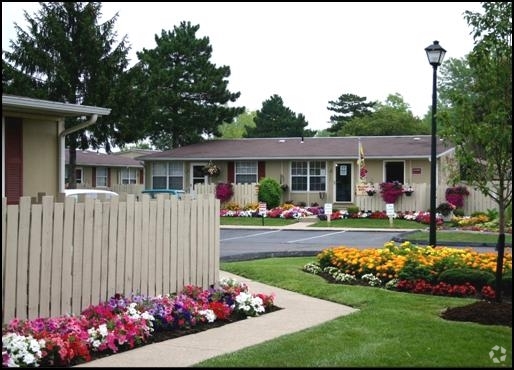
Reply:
x=353, y=210
x=459, y=212
x=460, y=276
x=413, y=271
x=506, y=282
x=445, y=208
x=270, y=192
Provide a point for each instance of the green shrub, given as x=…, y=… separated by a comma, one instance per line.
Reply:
x=413, y=270
x=353, y=210
x=459, y=212
x=460, y=276
x=270, y=192
x=506, y=282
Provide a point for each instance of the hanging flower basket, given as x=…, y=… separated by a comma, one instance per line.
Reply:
x=408, y=191
x=211, y=170
x=370, y=190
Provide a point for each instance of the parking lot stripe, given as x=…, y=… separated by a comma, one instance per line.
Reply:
x=251, y=235
x=314, y=237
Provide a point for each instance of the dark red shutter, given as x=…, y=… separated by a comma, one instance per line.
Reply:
x=230, y=173
x=141, y=176
x=13, y=160
x=94, y=177
x=109, y=177
x=261, y=170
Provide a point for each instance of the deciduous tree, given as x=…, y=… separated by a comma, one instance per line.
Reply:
x=480, y=119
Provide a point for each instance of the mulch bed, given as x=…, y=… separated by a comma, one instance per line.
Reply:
x=482, y=312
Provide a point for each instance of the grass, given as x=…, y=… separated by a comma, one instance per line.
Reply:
x=256, y=221
x=392, y=329
x=371, y=223
x=459, y=236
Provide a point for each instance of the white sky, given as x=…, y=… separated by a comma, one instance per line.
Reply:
x=307, y=53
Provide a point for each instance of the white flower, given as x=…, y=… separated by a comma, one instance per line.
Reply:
x=20, y=350
x=248, y=304
x=208, y=314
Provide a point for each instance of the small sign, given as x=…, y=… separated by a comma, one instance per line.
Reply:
x=390, y=209
x=328, y=208
x=361, y=189
x=342, y=170
x=416, y=171
x=262, y=208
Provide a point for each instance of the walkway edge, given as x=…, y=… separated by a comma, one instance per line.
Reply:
x=298, y=312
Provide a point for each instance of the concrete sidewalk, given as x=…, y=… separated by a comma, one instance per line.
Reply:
x=298, y=312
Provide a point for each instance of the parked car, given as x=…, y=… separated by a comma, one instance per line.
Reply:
x=90, y=193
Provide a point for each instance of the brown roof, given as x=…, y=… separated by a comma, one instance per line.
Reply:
x=378, y=147
x=89, y=158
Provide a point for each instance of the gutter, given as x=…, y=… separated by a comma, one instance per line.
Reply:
x=62, y=146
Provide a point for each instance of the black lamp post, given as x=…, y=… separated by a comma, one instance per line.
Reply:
x=435, y=54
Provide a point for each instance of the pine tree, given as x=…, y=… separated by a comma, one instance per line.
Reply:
x=67, y=56
x=185, y=94
x=276, y=120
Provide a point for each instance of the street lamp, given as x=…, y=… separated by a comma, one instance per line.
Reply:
x=435, y=54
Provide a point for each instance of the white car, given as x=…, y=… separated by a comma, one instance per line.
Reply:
x=90, y=193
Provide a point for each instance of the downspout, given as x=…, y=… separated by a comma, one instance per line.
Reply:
x=62, y=146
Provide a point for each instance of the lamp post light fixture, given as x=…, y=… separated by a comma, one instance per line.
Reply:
x=435, y=54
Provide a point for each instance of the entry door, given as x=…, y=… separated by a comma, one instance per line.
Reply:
x=197, y=175
x=343, y=178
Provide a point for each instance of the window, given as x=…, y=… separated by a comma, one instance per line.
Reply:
x=128, y=176
x=168, y=175
x=101, y=176
x=78, y=175
x=308, y=176
x=246, y=172
x=394, y=171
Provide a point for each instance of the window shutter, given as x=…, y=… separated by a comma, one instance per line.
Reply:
x=13, y=160
x=230, y=173
x=261, y=170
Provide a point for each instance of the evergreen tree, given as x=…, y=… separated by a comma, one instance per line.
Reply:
x=348, y=106
x=276, y=120
x=66, y=56
x=183, y=93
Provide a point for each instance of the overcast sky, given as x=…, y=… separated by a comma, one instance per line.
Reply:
x=307, y=53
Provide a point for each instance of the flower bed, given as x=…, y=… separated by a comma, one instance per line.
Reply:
x=406, y=267
x=123, y=323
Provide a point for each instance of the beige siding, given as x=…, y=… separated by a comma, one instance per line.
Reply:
x=40, y=157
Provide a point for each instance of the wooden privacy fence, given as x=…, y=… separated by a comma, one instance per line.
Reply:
x=419, y=200
x=243, y=193
x=59, y=258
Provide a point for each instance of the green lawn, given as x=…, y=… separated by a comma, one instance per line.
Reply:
x=371, y=223
x=459, y=236
x=256, y=221
x=392, y=329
